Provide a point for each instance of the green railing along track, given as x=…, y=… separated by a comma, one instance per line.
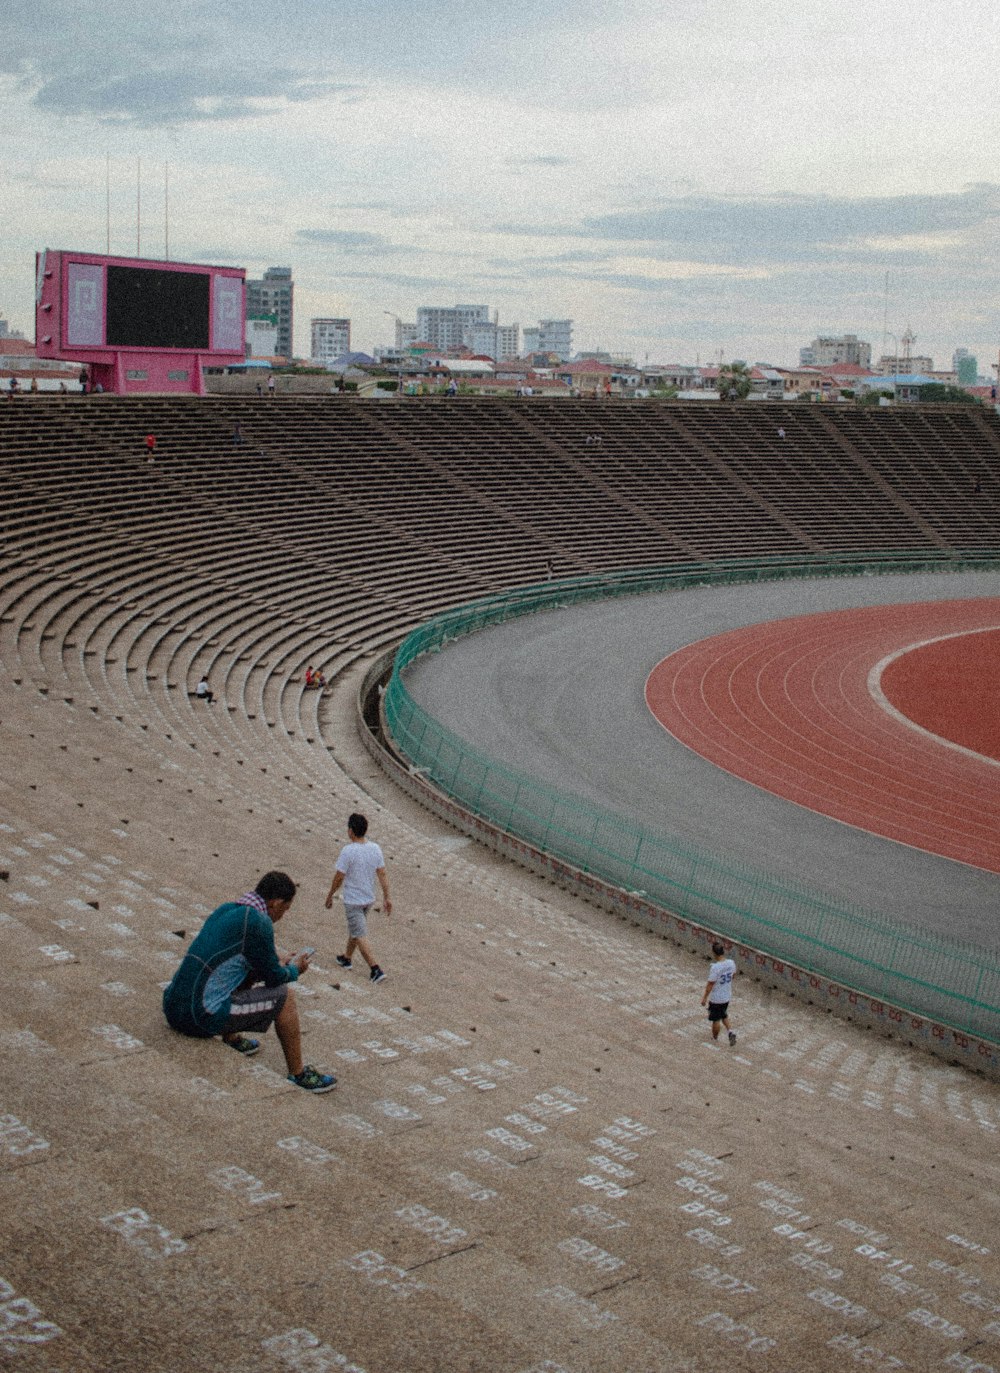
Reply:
x=944, y=979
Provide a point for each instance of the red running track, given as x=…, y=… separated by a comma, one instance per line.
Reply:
x=849, y=714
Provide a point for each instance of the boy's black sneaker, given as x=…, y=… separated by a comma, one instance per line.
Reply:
x=343, y=962
x=377, y=975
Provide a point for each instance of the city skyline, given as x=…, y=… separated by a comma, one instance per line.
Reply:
x=678, y=184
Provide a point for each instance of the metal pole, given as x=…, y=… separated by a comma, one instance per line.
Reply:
x=895, y=370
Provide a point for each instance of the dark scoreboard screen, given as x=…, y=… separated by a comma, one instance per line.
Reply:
x=152, y=308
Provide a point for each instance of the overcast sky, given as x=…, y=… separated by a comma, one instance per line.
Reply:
x=680, y=178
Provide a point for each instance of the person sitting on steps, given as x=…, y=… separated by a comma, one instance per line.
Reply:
x=231, y=980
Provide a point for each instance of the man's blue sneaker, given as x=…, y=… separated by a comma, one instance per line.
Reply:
x=312, y=1080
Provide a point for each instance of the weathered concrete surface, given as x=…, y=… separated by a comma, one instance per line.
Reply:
x=535, y=1158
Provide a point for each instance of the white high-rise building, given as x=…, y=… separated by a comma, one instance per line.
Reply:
x=556, y=336
x=508, y=344
x=331, y=339
x=262, y=336
x=494, y=341
x=550, y=336
x=918, y=364
x=463, y=326
x=445, y=327
x=829, y=351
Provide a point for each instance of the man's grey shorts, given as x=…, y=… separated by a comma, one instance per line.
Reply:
x=357, y=923
x=255, y=1009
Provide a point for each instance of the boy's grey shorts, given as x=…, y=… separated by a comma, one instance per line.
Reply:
x=357, y=924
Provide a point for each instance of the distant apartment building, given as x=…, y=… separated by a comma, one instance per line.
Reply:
x=550, y=336
x=556, y=336
x=965, y=367
x=508, y=340
x=331, y=339
x=449, y=328
x=274, y=295
x=495, y=341
x=445, y=327
x=261, y=336
x=828, y=351
x=892, y=364
x=406, y=334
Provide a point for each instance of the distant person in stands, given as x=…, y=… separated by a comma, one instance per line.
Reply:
x=150, y=447
x=33, y=388
x=237, y=436
x=203, y=691
x=14, y=387
x=453, y=387
x=977, y=487
x=359, y=866
x=270, y=385
x=232, y=980
x=781, y=432
x=718, y=991
x=309, y=676
x=260, y=390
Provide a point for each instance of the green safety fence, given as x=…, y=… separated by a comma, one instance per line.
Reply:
x=940, y=978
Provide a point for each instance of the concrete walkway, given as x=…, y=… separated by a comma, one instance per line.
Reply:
x=535, y=1160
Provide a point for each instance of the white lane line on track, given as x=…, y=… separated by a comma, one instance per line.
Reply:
x=881, y=700
x=738, y=740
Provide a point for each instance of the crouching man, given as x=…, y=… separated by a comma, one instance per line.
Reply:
x=231, y=980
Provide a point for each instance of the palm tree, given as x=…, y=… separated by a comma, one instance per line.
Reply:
x=735, y=382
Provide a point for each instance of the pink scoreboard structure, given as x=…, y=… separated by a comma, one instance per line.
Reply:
x=139, y=325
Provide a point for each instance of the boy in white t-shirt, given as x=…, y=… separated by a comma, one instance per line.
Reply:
x=358, y=866
x=718, y=990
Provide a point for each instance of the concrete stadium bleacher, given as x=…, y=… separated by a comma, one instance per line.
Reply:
x=534, y=1158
